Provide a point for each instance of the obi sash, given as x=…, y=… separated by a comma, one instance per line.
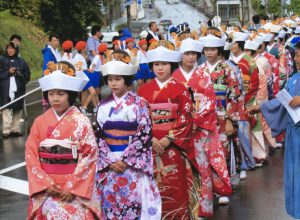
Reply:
x=119, y=134
x=220, y=91
x=59, y=156
x=164, y=116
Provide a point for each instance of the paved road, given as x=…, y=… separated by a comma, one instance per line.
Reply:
x=178, y=13
x=260, y=197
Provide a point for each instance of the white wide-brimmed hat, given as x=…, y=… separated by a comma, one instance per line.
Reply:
x=163, y=54
x=240, y=36
x=250, y=45
x=268, y=37
x=212, y=41
x=190, y=45
x=281, y=34
x=116, y=67
x=59, y=80
x=275, y=28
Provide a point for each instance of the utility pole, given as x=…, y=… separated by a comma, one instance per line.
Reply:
x=128, y=3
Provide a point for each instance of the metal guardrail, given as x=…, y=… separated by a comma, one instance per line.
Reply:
x=19, y=98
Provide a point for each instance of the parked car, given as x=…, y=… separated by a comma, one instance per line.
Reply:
x=107, y=35
x=165, y=24
x=172, y=1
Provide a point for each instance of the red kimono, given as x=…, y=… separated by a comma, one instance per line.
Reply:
x=273, y=81
x=209, y=154
x=171, y=111
x=62, y=152
x=250, y=78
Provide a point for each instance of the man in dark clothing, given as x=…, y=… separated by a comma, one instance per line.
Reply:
x=154, y=32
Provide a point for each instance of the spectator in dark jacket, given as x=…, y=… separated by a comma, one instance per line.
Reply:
x=14, y=75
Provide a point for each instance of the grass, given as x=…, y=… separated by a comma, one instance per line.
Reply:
x=33, y=40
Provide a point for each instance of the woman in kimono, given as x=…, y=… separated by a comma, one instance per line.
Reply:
x=125, y=180
x=209, y=155
x=264, y=69
x=174, y=157
x=279, y=120
x=227, y=96
x=61, y=153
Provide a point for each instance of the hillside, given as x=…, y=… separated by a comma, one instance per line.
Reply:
x=33, y=40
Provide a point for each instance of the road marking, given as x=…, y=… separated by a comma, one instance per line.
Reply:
x=12, y=168
x=14, y=185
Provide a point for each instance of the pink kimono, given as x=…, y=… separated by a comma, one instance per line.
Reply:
x=62, y=152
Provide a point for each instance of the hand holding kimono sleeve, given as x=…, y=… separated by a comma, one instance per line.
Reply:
x=138, y=154
x=182, y=128
x=81, y=182
x=38, y=179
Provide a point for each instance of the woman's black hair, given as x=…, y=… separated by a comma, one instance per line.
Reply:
x=128, y=79
x=11, y=44
x=241, y=44
x=220, y=50
x=198, y=54
x=226, y=54
x=252, y=52
x=72, y=96
x=174, y=66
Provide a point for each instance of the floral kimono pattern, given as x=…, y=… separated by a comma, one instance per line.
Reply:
x=264, y=68
x=79, y=180
x=178, y=181
x=125, y=135
x=285, y=61
x=273, y=79
x=209, y=154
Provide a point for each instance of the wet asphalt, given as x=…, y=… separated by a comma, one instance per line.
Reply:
x=259, y=197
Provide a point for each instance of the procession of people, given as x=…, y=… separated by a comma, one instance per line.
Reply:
x=190, y=112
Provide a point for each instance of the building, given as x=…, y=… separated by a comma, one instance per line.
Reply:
x=230, y=10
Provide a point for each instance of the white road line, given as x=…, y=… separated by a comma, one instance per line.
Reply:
x=12, y=168
x=14, y=185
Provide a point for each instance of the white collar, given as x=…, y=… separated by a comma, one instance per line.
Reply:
x=61, y=116
x=119, y=99
x=155, y=36
x=258, y=56
x=188, y=75
x=236, y=59
x=162, y=84
x=271, y=46
x=212, y=67
x=55, y=53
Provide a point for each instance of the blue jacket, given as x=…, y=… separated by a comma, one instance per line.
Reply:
x=47, y=56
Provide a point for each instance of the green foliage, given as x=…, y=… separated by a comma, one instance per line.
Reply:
x=256, y=4
x=33, y=39
x=295, y=6
x=275, y=7
x=67, y=18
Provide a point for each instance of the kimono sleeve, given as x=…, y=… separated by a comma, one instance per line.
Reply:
x=205, y=117
x=104, y=159
x=81, y=182
x=38, y=179
x=182, y=129
x=252, y=91
x=275, y=115
x=235, y=109
x=138, y=154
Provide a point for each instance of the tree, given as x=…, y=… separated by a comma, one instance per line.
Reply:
x=66, y=18
x=69, y=18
